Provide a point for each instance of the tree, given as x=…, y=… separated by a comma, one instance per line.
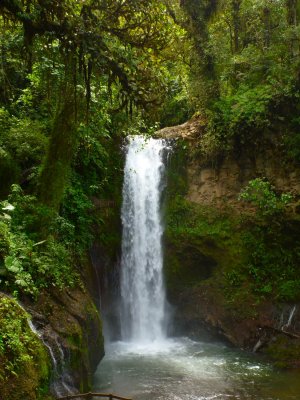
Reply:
x=203, y=67
x=236, y=5
x=292, y=14
x=86, y=40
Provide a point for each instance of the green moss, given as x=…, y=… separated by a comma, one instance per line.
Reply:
x=72, y=315
x=242, y=255
x=108, y=228
x=24, y=362
x=201, y=241
x=9, y=172
x=57, y=164
x=204, y=247
x=284, y=351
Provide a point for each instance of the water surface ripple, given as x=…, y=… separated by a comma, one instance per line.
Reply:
x=181, y=369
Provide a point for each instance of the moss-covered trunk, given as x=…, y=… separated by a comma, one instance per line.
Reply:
x=62, y=145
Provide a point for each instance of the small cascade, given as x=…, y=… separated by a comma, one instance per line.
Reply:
x=287, y=318
x=62, y=383
x=258, y=345
x=291, y=316
x=143, y=313
x=283, y=324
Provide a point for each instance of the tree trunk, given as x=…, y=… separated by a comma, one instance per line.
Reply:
x=62, y=146
x=199, y=13
x=236, y=4
x=291, y=6
x=267, y=27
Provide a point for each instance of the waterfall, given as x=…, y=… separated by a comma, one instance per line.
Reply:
x=62, y=383
x=291, y=316
x=142, y=286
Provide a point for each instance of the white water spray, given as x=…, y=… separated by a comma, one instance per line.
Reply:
x=291, y=316
x=142, y=287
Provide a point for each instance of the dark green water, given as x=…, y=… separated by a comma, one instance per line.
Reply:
x=182, y=369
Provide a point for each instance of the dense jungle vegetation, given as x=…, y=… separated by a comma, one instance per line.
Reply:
x=77, y=76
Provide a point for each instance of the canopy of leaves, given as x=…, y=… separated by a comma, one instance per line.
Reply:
x=245, y=68
x=75, y=77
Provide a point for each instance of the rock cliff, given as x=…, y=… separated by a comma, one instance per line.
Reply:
x=59, y=340
x=208, y=273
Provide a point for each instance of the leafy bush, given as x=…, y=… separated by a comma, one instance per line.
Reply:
x=271, y=268
x=290, y=290
x=272, y=246
x=23, y=143
x=74, y=226
x=261, y=194
x=248, y=107
x=30, y=265
x=27, y=142
x=8, y=170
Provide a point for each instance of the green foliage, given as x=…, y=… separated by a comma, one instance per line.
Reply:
x=292, y=139
x=33, y=266
x=23, y=143
x=131, y=58
x=194, y=220
x=24, y=361
x=79, y=70
x=258, y=255
x=26, y=142
x=4, y=237
x=273, y=261
x=244, y=71
x=14, y=339
x=272, y=247
x=249, y=107
x=290, y=290
x=261, y=194
x=76, y=207
x=30, y=265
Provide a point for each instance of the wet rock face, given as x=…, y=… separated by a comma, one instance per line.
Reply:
x=56, y=341
x=198, y=255
x=63, y=341
x=186, y=264
x=24, y=362
x=220, y=180
x=222, y=185
x=205, y=308
x=69, y=325
x=274, y=330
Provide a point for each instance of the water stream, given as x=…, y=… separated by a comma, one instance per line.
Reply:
x=142, y=289
x=146, y=364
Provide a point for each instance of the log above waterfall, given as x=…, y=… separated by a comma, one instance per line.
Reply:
x=190, y=130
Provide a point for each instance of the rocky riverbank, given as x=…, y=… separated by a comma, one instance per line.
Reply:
x=55, y=342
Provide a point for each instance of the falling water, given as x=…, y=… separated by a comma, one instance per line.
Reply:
x=62, y=382
x=142, y=288
x=146, y=365
x=291, y=316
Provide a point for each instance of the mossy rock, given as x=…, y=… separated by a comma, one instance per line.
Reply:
x=284, y=351
x=72, y=315
x=25, y=366
x=187, y=264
